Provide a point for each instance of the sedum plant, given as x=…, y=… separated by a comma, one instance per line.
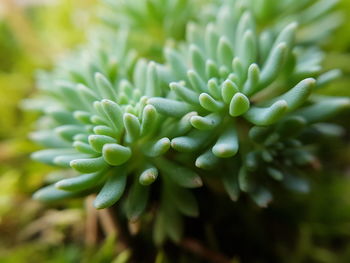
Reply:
x=311, y=15
x=232, y=107
x=246, y=96
x=153, y=22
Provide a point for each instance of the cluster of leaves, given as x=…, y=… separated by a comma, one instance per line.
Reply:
x=235, y=100
x=32, y=231
x=153, y=22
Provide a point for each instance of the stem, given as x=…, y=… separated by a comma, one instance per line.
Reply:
x=200, y=250
x=91, y=222
x=110, y=226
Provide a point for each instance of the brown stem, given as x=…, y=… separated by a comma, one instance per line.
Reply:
x=107, y=222
x=200, y=250
x=110, y=226
x=91, y=222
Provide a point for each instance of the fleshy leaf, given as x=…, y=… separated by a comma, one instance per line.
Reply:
x=50, y=194
x=112, y=189
x=206, y=123
x=148, y=176
x=136, y=201
x=227, y=144
x=267, y=116
x=89, y=165
x=179, y=174
x=80, y=182
x=116, y=154
x=239, y=105
x=169, y=107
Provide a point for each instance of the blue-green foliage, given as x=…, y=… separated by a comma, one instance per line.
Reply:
x=234, y=100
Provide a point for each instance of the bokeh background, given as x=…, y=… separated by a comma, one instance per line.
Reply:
x=34, y=34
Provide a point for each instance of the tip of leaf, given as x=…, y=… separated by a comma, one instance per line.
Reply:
x=223, y=152
x=98, y=75
x=37, y=195
x=106, y=102
x=281, y=104
x=282, y=46
x=197, y=182
x=201, y=164
x=60, y=185
x=73, y=163
x=310, y=81
x=99, y=205
x=293, y=26
x=173, y=85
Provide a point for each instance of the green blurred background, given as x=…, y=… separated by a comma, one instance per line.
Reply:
x=35, y=33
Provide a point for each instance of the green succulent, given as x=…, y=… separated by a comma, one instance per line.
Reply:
x=311, y=15
x=235, y=102
x=153, y=22
x=92, y=128
x=246, y=96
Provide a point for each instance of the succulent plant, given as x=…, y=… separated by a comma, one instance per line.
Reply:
x=246, y=96
x=159, y=20
x=235, y=101
x=153, y=22
x=96, y=121
x=311, y=15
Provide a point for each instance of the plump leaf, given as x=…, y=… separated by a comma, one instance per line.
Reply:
x=80, y=182
x=136, y=201
x=98, y=141
x=179, y=174
x=50, y=194
x=207, y=160
x=191, y=142
x=227, y=144
x=116, y=154
x=48, y=156
x=89, y=165
x=148, y=176
x=267, y=116
x=112, y=189
x=157, y=147
x=239, y=105
x=169, y=107
x=132, y=126
x=206, y=123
